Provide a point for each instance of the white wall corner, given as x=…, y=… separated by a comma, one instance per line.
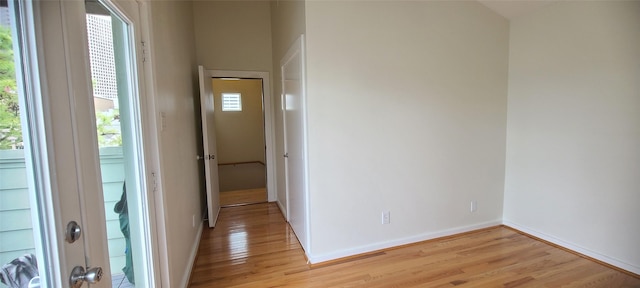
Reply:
x=573, y=247
x=314, y=259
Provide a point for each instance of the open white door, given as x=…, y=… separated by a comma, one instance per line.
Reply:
x=295, y=142
x=209, y=144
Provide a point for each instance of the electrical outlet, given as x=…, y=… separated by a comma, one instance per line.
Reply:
x=193, y=220
x=474, y=206
x=386, y=217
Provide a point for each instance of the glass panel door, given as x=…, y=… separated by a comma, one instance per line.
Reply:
x=116, y=104
x=23, y=237
x=55, y=134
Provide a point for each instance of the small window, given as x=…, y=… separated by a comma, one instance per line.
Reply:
x=231, y=102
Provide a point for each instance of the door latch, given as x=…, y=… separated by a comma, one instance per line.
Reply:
x=79, y=276
x=73, y=232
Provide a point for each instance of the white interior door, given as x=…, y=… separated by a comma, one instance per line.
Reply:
x=66, y=174
x=294, y=116
x=209, y=144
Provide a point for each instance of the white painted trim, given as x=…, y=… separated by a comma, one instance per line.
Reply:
x=34, y=113
x=157, y=208
x=269, y=122
x=398, y=242
x=192, y=257
x=305, y=140
x=574, y=247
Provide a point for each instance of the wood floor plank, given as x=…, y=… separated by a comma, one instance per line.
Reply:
x=253, y=246
x=243, y=197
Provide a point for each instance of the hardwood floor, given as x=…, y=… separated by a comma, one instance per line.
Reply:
x=243, y=197
x=253, y=246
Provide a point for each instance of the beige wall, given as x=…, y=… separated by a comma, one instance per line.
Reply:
x=174, y=63
x=573, y=172
x=239, y=134
x=288, y=23
x=233, y=35
x=406, y=113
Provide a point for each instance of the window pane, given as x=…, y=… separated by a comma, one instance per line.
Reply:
x=231, y=102
x=21, y=242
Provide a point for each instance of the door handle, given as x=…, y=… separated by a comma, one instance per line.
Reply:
x=206, y=157
x=286, y=155
x=79, y=275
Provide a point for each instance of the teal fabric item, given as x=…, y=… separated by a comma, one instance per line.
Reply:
x=128, y=268
x=123, y=212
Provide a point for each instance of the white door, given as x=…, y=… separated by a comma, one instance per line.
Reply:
x=209, y=144
x=75, y=162
x=294, y=118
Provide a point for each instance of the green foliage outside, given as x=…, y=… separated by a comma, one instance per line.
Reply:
x=10, y=130
x=108, y=129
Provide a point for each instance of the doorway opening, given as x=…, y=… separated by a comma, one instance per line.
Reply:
x=240, y=138
x=209, y=133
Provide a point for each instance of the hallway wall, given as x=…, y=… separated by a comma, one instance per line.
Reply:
x=175, y=75
x=287, y=24
x=233, y=35
x=236, y=35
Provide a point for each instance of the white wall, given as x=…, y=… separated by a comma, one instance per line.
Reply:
x=406, y=113
x=288, y=23
x=573, y=139
x=239, y=134
x=174, y=69
x=233, y=35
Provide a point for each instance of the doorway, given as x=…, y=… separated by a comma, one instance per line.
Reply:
x=209, y=134
x=240, y=139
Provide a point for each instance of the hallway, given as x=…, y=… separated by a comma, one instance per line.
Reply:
x=253, y=246
x=251, y=243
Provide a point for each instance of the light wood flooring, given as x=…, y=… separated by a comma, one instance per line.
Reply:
x=243, y=197
x=253, y=246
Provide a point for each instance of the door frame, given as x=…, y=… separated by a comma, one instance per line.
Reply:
x=152, y=127
x=269, y=130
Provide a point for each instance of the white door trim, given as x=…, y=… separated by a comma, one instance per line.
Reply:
x=150, y=116
x=269, y=130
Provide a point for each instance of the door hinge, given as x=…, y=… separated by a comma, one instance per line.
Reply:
x=155, y=182
x=144, y=51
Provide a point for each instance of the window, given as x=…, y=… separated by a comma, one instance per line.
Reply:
x=231, y=102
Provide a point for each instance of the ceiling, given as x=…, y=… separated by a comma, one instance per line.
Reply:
x=512, y=9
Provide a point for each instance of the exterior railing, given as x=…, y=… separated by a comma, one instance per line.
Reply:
x=16, y=231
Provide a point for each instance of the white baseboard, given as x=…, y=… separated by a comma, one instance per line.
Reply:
x=192, y=257
x=314, y=259
x=577, y=248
